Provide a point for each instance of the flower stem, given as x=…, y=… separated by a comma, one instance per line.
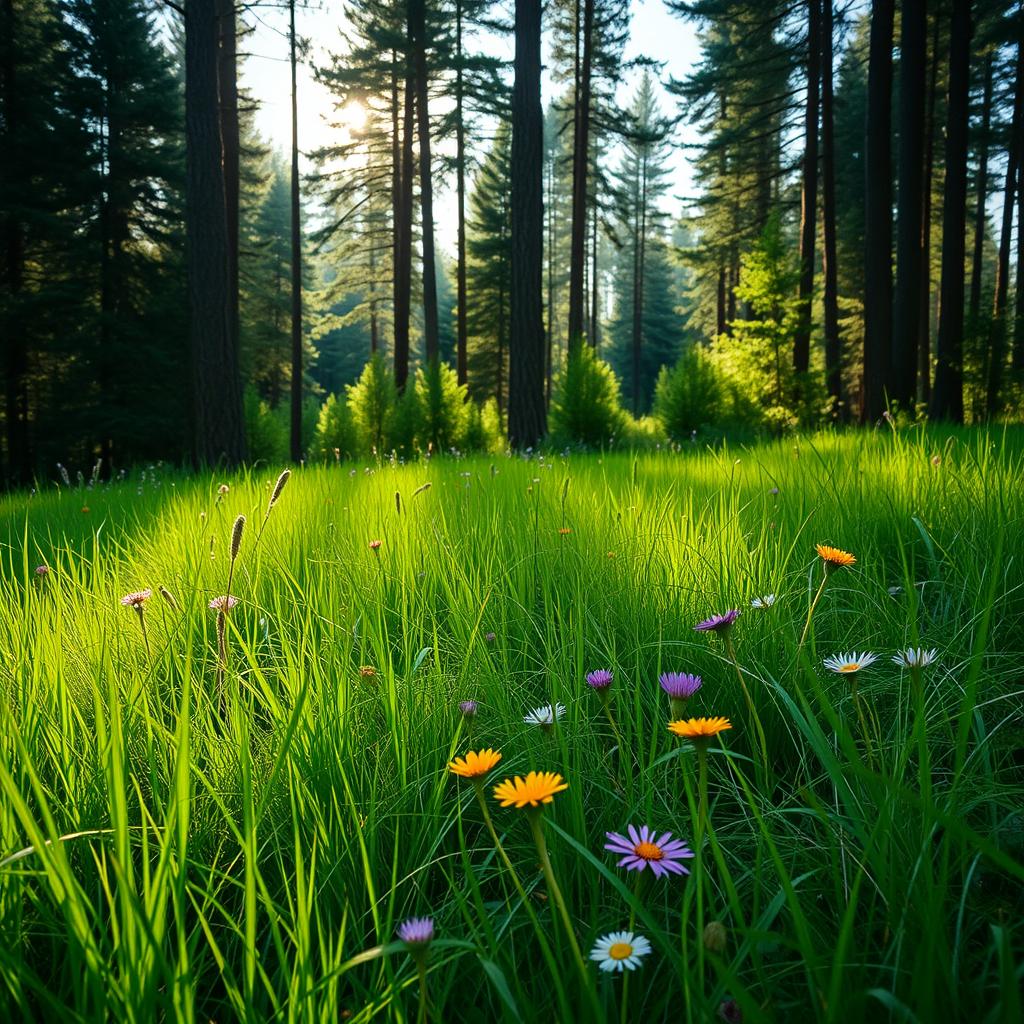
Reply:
x=755, y=718
x=810, y=611
x=421, y=970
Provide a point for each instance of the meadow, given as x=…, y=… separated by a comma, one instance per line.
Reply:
x=227, y=813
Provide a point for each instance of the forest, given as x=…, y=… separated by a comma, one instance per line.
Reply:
x=175, y=287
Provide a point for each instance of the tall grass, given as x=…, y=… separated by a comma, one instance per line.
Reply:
x=161, y=859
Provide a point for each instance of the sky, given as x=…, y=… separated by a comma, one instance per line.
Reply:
x=654, y=34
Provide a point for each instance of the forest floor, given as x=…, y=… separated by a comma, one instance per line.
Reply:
x=226, y=813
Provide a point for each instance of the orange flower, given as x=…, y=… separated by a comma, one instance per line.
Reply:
x=536, y=789
x=835, y=558
x=475, y=764
x=699, y=728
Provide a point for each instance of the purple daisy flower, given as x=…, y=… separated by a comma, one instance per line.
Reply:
x=416, y=931
x=680, y=685
x=718, y=623
x=600, y=679
x=640, y=849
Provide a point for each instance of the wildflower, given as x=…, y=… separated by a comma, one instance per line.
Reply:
x=85, y=510
x=536, y=789
x=136, y=599
x=729, y=1011
x=834, y=558
x=367, y=672
x=475, y=764
x=375, y=545
x=619, y=951
x=700, y=730
x=490, y=637
x=600, y=679
x=936, y=460
x=223, y=489
x=774, y=492
x=714, y=937
x=42, y=570
x=468, y=708
x=224, y=603
x=641, y=849
x=417, y=932
x=847, y=664
x=766, y=601
x=680, y=685
x=718, y=623
x=915, y=657
x=545, y=716
x=611, y=554
x=565, y=531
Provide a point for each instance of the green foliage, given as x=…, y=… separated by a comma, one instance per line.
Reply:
x=585, y=407
x=688, y=396
x=483, y=428
x=372, y=401
x=335, y=434
x=442, y=408
x=267, y=429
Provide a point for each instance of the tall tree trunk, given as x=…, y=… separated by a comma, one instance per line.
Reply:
x=998, y=326
x=16, y=347
x=227, y=84
x=296, y=424
x=924, y=339
x=403, y=265
x=580, y=166
x=550, y=322
x=219, y=429
x=461, y=326
x=948, y=392
x=637, y=325
x=595, y=326
x=978, y=248
x=527, y=415
x=906, y=328
x=396, y=199
x=809, y=190
x=830, y=297
x=418, y=34
x=878, y=214
x=1018, y=322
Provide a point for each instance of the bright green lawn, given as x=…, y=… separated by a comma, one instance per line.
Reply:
x=164, y=862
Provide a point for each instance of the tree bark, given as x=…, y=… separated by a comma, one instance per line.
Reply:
x=527, y=416
x=219, y=429
x=947, y=401
x=296, y=410
x=906, y=327
x=580, y=166
x=461, y=326
x=878, y=214
x=978, y=248
x=403, y=264
x=809, y=190
x=830, y=304
x=998, y=325
x=227, y=84
x=1017, y=362
x=924, y=339
x=418, y=33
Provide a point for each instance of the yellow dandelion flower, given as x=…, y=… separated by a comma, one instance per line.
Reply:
x=699, y=728
x=536, y=789
x=835, y=558
x=475, y=764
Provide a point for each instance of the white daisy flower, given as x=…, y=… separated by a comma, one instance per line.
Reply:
x=915, y=657
x=619, y=951
x=765, y=601
x=545, y=716
x=847, y=664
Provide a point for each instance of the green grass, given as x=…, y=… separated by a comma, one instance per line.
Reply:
x=161, y=860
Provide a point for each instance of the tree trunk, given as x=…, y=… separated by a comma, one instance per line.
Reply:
x=924, y=340
x=296, y=424
x=637, y=325
x=1018, y=323
x=227, y=84
x=580, y=166
x=998, y=325
x=219, y=429
x=830, y=305
x=461, y=327
x=403, y=264
x=809, y=191
x=16, y=348
x=595, y=327
x=396, y=199
x=948, y=393
x=978, y=248
x=878, y=214
x=550, y=322
x=527, y=416
x=906, y=326
x=418, y=34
